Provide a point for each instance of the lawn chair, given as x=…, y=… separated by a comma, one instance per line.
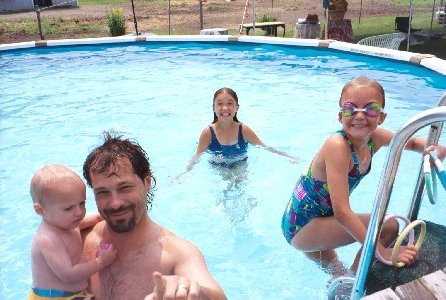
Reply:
x=389, y=41
x=402, y=25
x=440, y=15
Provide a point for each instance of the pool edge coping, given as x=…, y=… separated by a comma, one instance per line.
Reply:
x=428, y=61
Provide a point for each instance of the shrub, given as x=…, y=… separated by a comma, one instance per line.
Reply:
x=217, y=7
x=116, y=22
x=267, y=18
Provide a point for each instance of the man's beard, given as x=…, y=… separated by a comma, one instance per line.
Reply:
x=121, y=225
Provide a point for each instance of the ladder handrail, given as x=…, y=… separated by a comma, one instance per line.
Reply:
x=397, y=144
x=434, y=136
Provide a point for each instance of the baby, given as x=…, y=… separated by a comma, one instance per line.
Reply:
x=58, y=270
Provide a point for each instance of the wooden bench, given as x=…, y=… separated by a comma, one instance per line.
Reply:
x=267, y=26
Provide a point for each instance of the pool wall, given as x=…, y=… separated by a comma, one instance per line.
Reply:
x=426, y=60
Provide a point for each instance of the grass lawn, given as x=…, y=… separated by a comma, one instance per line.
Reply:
x=96, y=2
x=369, y=27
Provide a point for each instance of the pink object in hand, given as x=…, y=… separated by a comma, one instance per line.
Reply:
x=104, y=246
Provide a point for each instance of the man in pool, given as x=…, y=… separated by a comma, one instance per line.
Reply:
x=153, y=263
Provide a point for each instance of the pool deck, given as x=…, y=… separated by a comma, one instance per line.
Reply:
x=426, y=60
x=431, y=286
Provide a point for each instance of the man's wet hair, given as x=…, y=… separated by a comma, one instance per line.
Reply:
x=104, y=159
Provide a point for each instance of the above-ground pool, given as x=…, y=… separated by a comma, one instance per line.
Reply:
x=56, y=102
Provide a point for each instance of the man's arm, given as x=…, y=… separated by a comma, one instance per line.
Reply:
x=193, y=266
x=191, y=277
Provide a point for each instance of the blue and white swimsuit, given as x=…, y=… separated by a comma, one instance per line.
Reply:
x=227, y=155
x=311, y=197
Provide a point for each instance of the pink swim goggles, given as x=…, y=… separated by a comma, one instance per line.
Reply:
x=372, y=109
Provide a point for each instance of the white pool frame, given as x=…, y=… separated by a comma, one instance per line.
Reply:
x=426, y=60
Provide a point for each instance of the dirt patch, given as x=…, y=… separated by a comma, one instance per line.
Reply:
x=185, y=16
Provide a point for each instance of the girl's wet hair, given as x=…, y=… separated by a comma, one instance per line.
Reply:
x=104, y=159
x=364, y=81
x=232, y=93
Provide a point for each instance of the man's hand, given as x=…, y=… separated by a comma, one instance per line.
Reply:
x=173, y=287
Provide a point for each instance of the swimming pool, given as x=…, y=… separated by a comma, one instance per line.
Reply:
x=56, y=101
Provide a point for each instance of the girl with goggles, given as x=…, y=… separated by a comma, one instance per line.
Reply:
x=318, y=218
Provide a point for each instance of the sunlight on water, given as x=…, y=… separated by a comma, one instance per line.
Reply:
x=56, y=102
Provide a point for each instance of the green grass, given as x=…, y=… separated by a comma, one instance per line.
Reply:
x=95, y=2
x=58, y=25
x=117, y=2
x=415, y=2
x=435, y=47
x=382, y=25
x=217, y=7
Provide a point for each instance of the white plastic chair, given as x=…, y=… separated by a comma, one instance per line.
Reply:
x=440, y=14
x=389, y=41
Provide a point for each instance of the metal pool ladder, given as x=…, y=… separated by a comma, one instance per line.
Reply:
x=434, y=117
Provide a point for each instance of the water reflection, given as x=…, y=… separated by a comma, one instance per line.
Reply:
x=235, y=199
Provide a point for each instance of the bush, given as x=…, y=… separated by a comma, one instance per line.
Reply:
x=267, y=18
x=116, y=22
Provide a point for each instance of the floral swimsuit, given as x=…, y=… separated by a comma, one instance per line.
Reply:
x=311, y=197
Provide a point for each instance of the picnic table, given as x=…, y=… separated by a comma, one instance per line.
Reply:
x=267, y=26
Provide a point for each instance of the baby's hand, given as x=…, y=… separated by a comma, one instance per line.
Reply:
x=106, y=253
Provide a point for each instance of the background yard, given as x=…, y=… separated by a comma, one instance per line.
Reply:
x=89, y=19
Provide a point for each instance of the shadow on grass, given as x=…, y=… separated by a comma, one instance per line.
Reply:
x=436, y=47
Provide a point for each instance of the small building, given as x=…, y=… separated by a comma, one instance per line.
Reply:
x=17, y=5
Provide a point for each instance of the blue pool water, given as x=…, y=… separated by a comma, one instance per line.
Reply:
x=55, y=102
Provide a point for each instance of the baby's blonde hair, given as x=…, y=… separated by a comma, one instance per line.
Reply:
x=364, y=81
x=49, y=176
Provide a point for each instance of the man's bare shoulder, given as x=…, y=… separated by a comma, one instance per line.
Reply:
x=93, y=230
x=91, y=238
x=176, y=245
